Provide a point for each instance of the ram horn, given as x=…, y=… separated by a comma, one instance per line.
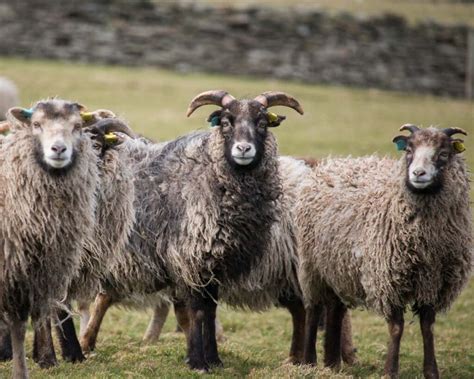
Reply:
x=216, y=97
x=270, y=99
x=451, y=131
x=108, y=125
x=410, y=127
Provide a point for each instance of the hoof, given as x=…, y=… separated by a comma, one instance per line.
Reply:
x=198, y=366
x=47, y=363
x=214, y=362
x=74, y=358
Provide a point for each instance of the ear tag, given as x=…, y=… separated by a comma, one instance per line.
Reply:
x=87, y=116
x=272, y=117
x=215, y=121
x=27, y=113
x=458, y=146
x=110, y=138
x=401, y=144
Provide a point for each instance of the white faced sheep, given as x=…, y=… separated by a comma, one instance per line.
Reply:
x=48, y=180
x=8, y=97
x=386, y=234
x=205, y=205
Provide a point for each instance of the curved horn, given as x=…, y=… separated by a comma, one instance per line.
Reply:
x=270, y=99
x=450, y=131
x=107, y=125
x=410, y=127
x=216, y=97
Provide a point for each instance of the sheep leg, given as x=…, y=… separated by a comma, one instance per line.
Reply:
x=5, y=345
x=70, y=347
x=298, y=314
x=211, y=354
x=335, y=312
x=182, y=317
x=348, y=350
x=395, y=329
x=160, y=313
x=17, y=329
x=427, y=320
x=313, y=314
x=83, y=308
x=101, y=304
x=43, y=346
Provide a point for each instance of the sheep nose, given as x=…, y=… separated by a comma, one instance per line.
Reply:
x=419, y=172
x=243, y=147
x=59, y=148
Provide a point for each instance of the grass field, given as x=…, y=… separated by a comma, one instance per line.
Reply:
x=444, y=11
x=337, y=121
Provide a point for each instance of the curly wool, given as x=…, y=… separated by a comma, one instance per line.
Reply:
x=197, y=219
x=114, y=219
x=275, y=276
x=45, y=220
x=375, y=243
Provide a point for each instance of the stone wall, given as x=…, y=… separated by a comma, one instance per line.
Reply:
x=302, y=45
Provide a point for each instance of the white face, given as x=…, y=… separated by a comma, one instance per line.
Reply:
x=422, y=170
x=57, y=137
x=243, y=152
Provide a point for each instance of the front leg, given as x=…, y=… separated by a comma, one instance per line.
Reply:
x=160, y=313
x=296, y=308
x=313, y=314
x=17, y=329
x=71, y=349
x=335, y=312
x=211, y=354
x=427, y=320
x=195, y=358
x=5, y=345
x=43, y=347
x=395, y=329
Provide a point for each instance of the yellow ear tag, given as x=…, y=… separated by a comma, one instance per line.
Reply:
x=458, y=146
x=87, y=116
x=110, y=138
x=272, y=117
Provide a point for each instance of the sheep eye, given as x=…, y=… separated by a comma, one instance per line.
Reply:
x=77, y=126
x=225, y=123
x=36, y=125
x=444, y=155
x=262, y=123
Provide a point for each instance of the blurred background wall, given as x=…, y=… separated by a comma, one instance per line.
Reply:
x=303, y=43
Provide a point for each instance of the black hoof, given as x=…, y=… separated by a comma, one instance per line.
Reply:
x=47, y=363
x=214, y=362
x=75, y=357
x=198, y=366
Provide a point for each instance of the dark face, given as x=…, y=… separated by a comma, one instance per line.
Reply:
x=244, y=126
x=428, y=151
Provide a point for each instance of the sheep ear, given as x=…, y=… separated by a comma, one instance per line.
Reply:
x=401, y=142
x=458, y=145
x=90, y=118
x=274, y=120
x=19, y=117
x=215, y=118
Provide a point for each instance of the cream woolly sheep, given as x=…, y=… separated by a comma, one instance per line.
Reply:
x=8, y=97
x=387, y=234
x=48, y=179
x=205, y=204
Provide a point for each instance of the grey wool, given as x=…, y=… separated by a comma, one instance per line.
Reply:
x=375, y=243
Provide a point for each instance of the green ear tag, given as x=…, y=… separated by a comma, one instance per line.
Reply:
x=215, y=121
x=458, y=146
x=27, y=113
x=401, y=144
x=87, y=116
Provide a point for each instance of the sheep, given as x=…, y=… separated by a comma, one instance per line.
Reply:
x=48, y=179
x=274, y=280
x=205, y=204
x=8, y=97
x=386, y=234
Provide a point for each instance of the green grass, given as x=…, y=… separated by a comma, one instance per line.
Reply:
x=443, y=11
x=337, y=121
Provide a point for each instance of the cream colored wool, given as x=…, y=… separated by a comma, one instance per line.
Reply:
x=45, y=221
x=376, y=244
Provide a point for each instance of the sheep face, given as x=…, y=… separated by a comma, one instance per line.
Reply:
x=243, y=125
x=428, y=153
